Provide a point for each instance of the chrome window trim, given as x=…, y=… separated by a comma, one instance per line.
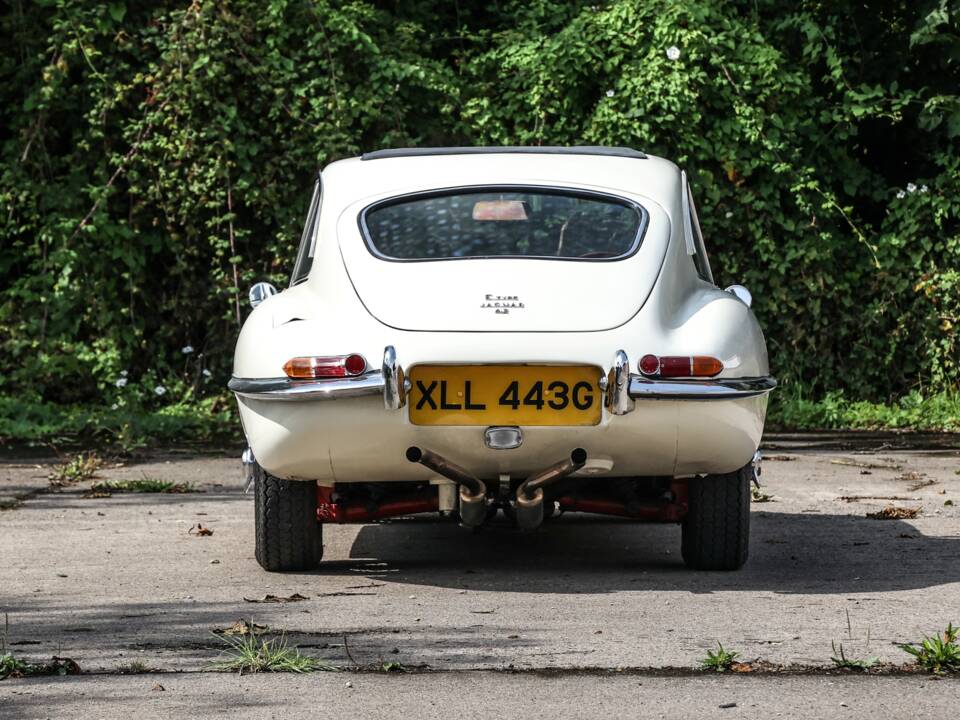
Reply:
x=303, y=264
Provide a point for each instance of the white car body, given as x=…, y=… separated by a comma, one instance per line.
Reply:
x=606, y=314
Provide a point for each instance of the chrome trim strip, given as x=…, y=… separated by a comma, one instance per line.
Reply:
x=620, y=403
x=285, y=389
x=642, y=388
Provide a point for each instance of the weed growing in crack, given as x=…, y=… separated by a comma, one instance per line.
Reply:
x=720, y=660
x=392, y=667
x=842, y=662
x=937, y=653
x=143, y=485
x=77, y=469
x=135, y=667
x=251, y=654
x=757, y=495
x=12, y=666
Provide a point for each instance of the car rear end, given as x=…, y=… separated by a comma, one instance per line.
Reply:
x=502, y=330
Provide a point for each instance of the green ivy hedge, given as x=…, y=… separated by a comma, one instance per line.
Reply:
x=158, y=156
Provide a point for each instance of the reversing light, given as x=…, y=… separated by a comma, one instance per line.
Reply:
x=680, y=366
x=305, y=368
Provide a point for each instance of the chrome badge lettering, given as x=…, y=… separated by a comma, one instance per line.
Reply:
x=501, y=304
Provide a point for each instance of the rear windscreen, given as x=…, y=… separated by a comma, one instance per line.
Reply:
x=509, y=222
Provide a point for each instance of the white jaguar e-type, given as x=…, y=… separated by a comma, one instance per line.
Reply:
x=530, y=330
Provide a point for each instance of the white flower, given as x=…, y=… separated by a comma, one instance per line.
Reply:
x=673, y=53
x=610, y=93
x=186, y=349
x=160, y=390
x=114, y=406
x=207, y=373
x=924, y=188
x=901, y=195
x=123, y=373
x=911, y=188
x=121, y=382
x=728, y=215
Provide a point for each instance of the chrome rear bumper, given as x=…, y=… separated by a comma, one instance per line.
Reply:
x=390, y=383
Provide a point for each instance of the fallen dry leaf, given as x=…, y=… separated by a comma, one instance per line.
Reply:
x=157, y=687
x=916, y=480
x=241, y=627
x=199, y=530
x=891, y=512
x=296, y=597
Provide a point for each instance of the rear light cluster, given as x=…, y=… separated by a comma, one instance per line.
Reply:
x=680, y=366
x=305, y=368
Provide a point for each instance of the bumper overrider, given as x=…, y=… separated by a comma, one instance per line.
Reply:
x=622, y=388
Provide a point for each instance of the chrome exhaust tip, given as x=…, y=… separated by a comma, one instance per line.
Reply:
x=473, y=493
x=528, y=504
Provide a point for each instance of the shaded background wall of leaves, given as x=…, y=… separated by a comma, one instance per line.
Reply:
x=158, y=156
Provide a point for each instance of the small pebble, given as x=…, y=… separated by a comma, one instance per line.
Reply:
x=348, y=684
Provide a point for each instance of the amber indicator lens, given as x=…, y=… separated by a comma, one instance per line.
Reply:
x=706, y=366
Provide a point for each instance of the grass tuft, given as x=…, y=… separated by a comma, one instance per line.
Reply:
x=938, y=653
x=135, y=667
x=757, y=495
x=251, y=654
x=77, y=469
x=143, y=485
x=720, y=660
x=842, y=662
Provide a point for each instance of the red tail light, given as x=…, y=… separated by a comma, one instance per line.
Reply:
x=680, y=366
x=303, y=368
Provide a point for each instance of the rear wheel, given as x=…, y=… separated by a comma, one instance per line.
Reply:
x=716, y=531
x=289, y=537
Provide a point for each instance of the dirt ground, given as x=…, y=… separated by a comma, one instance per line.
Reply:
x=127, y=577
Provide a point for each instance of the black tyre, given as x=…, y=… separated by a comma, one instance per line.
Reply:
x=716, y=531
x=288, y=534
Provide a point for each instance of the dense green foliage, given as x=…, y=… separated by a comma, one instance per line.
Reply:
x=157, y=156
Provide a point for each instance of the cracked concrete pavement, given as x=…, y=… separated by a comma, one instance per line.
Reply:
x=110, y=580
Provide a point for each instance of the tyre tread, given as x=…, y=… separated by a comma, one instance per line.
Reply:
x=288, y=534
x=716, y=531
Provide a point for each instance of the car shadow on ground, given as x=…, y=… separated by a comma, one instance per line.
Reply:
x=789, y=553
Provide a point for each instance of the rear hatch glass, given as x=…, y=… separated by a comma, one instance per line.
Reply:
x=527, y=223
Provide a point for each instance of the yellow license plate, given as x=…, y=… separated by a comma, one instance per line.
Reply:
x=505, y=395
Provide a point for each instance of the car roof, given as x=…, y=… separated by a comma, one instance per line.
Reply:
x=399, y=172
x=507, y=149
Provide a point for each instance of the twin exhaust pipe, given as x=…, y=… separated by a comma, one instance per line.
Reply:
x=474, y=506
